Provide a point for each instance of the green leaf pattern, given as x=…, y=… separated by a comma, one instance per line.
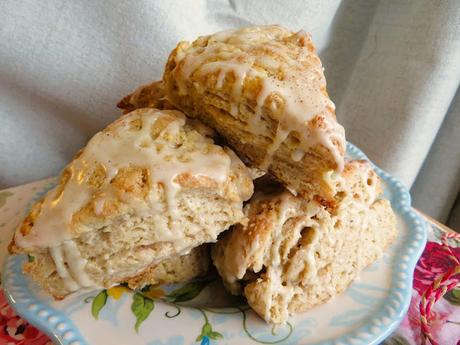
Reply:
x=141, y=307
x=98, y=303
x=453, y=296
x=186, y=292
x=396, y=340
x=206, y=331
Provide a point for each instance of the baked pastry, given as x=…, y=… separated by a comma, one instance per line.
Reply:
x=151, y=95
x=294, y=254
x=263, y=90
x=174, y=269
x=147, y=188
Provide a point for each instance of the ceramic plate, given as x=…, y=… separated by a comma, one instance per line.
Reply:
x=200, y=312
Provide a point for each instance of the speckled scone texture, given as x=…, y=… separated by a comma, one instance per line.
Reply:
x=294, y=254
x=128, y=224
x=250, y=86
x=175, y=269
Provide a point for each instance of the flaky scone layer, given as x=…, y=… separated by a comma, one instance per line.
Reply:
x=294, y=254
x=175, y=269
x=150, y=95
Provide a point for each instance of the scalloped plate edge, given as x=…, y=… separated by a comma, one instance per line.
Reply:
x=62, y=330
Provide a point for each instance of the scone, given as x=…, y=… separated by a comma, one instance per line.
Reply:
x=294, y=254
x=175, y=269
x=147, y=188
x=263, y=90
x=151, y=95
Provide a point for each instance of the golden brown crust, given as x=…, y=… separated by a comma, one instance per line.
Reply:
x=211, y=98
x=151, y=95
x=25, y=227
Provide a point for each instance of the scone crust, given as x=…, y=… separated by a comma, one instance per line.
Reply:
x=124, y=223
x=132, y=182
x=174, y=270
x=151, y=95
x=294, y=253
x=250, y=127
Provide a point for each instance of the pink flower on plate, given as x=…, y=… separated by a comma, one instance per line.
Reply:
x=434, y=261
x=16, y=331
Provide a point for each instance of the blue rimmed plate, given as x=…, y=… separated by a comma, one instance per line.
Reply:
x=369, y=310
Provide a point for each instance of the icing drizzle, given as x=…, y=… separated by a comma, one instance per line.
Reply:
x=147, y=139
x=263, y=53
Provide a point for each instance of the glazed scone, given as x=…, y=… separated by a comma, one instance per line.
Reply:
x=294, y=254
x=263, y=90
x=151, y=95
x=145, y=189
x=175, y=269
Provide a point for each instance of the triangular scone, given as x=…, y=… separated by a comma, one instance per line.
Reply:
x=146, y=188
x=263, y=90
x=294, y=254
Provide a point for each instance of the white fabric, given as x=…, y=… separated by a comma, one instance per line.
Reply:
x=393, y=69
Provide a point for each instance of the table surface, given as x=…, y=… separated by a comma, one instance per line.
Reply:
x=434, y=312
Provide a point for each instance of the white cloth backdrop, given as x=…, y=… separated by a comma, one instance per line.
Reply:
x=393, y=70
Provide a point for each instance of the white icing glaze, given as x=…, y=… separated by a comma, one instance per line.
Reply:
x=59, y=260
x=99, y=206
x=310, y=260
x=297, y=155
x=76, y=264
x=281, y=135
x=117, y=148
x=274, y=264
x=231, y=52
x=280, y=281
x=239, y=70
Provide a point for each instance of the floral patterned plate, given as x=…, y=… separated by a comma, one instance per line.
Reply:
x=201, y=313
